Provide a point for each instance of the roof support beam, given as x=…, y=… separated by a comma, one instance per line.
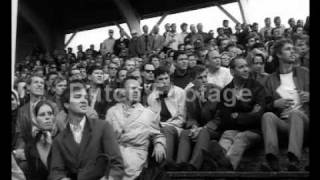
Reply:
x=70, y=39
x=120, y=28
x=228, y=14
x=14, y=20
x=242, y=11
x=161, y=19
x=159, y=22
x=129, y=13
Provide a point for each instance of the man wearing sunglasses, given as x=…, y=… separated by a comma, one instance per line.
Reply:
x=148, y=80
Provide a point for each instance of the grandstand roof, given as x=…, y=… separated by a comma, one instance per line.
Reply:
x=77, y=15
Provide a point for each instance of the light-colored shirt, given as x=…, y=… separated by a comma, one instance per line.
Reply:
x=221, y=77
x=77, y=130
x=181, y=37
x=107, y=46
x=93, y=97
x=174, y=38
x=287, y=90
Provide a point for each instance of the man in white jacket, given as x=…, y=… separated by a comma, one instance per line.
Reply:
x=135, y=126
x=168, y=100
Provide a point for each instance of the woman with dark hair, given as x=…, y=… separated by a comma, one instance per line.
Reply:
x=38, y=149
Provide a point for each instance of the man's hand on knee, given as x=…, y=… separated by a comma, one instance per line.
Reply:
x=159, y=152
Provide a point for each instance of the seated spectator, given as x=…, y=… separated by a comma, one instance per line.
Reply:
x=25, y=117
x=301, y=44
x=257, y=69
x=75, y=74
x=49, y=80
x=121, y=76
x=130, y=65
x=97, y=92
x=288, y=108
x=59, y=85
x=193, y=60
x=37, y=149
x=169, y=101
x=200, y=125
x=182, y=75
x=87, y=147
x=136, y=74
x=135, y=126
x=113, y=71
x=226, y=58
x=240, y=109
x=155, y=61
x=217, y=75
x=148, y=80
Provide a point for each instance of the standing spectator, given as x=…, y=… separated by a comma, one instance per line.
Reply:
x=171, y=40
x=265, y=32
x=133, y=44
x=108, y=44
x=221, y=34
x=183, y=34
x=145, y=41
x=300, y=23
x=93, y=51
x=288, y=108
x=70, y=53
x=227, y=30
x=204, y=35
x=278, y=25
x=193, y=35
x=120, y=43
x=167, y=29
x=157, y=40
x=292, y=25
x=87, y=147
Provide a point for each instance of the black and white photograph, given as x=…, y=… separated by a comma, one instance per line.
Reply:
x=160, y=89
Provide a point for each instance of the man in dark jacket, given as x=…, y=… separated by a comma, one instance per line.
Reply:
x=97, y=91
x=287, y=106
x=182, y=74
x=240, y=109
x=200, y=125
x=87, y=148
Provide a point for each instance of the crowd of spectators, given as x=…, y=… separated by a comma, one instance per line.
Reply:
x=183, y=100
